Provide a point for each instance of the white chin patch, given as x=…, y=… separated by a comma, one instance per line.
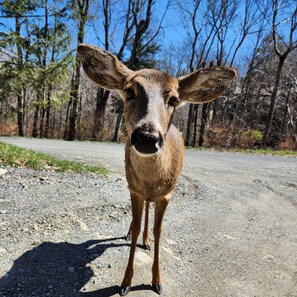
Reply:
x=144, y=155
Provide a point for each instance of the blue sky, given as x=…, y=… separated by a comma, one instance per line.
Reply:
x=173, y=32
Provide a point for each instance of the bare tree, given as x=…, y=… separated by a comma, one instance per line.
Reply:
x=81, y=7
x=192, y=13
x=283, y=47
x=196, y=32
x=221, y=15
x=102, y=95
x=239, y=117
x=249, y=21
x=288, y=121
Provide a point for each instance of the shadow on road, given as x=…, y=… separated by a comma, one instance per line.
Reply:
x=58, y=269
x=113, y=290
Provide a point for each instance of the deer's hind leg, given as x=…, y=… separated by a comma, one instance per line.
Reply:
x=129, y=235
x=146, y=240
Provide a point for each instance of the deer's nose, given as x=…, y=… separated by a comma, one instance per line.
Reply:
x=146, y=142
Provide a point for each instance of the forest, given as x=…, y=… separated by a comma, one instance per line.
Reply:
x=44, y=92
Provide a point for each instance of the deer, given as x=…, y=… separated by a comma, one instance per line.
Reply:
x=154, y=151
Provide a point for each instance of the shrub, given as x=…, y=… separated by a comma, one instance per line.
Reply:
x=250, y=138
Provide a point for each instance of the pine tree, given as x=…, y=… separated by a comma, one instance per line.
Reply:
x=15, y=67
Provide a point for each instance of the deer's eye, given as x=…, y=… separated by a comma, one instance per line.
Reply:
x=173, y=101
x=130, y=94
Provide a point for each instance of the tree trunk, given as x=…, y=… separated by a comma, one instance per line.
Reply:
x=20, y=101
x=66, y=128
x=101, y=100
x=50, y=86
x=203, y=124
x=73, y=113
x=102, y=94
x=270, y=116
x=47, y=113
x=189, y=124
x=79, y=130
x=20, y=115
x=44, y=64
x=283, y=129
x=70, y=133
x=118, y=123
x=204, y=116
x=42, y=125
x=35, y=122
x=214, y=106
x=196, y=108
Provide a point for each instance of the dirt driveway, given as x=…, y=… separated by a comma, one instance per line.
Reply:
x=230, y=230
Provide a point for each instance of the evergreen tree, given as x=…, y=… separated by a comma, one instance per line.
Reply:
x=51, y=56
x=35, y=57
x=15, y=44
x=145, y=55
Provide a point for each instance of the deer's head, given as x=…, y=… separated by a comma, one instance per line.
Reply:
x=151, y=96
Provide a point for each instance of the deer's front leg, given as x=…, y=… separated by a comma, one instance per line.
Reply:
x=137, y=208
x=160, y=208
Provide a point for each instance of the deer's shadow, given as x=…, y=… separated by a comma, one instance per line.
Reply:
x=58, y=269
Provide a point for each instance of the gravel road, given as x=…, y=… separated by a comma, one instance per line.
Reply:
x=230, y=229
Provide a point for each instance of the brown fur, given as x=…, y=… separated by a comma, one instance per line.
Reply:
x=155, y=177
x=148, y=96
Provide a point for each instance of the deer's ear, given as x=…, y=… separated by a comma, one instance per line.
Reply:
x=205, y=85
x=102, y=67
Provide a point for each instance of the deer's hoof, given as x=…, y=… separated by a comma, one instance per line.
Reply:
x=129, y=237
x=157, y=288
x=147, y=247
x=124, y=290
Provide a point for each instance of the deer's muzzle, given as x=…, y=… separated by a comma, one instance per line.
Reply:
x=146, y=143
